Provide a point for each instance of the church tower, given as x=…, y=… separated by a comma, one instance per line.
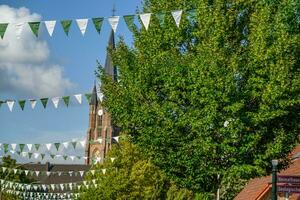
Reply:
x=101, y=129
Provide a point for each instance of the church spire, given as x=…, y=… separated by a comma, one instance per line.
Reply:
x=109, y=67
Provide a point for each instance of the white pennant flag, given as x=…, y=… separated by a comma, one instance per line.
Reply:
x=145, y=18
x=36, y=155
x=55, y=101
x=48, y=146
x=71, y=186
x=50, y=26
x=29, y=146
x=52, y=186
x=59, y=173
x=62, y=186
x=26, y=172
x=114, y=21
x=82, y=24
x=24, y=154
x=104, y=171
x=37, y=173
x=112, y=159
x=116, y=138
x=15, y=171
x=81, y=173
x=93, y=172
x=12, y=151
x=4, y=169
x=72, y=157
x=177, y=16
x=94, y=181
x=99, y=140
x=19, y=28
x=48, y=173
x=82, y=143
x=10, y=104
x=32, y=103
x=78, y=98
x=44, y=187
x=13, y=146
x=65, y=144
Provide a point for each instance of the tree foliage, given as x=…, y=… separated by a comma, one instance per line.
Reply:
x=217, y=97
x=131, y=176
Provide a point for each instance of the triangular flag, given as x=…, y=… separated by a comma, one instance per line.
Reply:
x=74, y=144
x=29, y=154
x=66, y=100
x=50, y=25
x=88, y=97
x=65, y=157
x=98, y=23
x=15, y=171
x=13, y=146
x=29, y=146
x=161, y=18
x=22, y=104
x=57, y=145
x=114, y=21
x=3, y=27
x=37, y=173
x=26, y=172
x=35, y=26
x=48, y=146
x=145, y=18
x=78, y=98
x=82, y=24
x=37, y=146
x=19, y=28
x=104, y=171
x=116, y=138
x=48, y=173
x=43, y=156
x=177, y=16
x=112, y=159
x=81, y=173
x=44, y=101
x=192, y=16
x=21, y=146
x=66, y=24
x=5, y=146
x=36, y=155
x=129, y=19
x=65, y=144
x=32, y=103
x=55, y=101
x=93, y=172
x=83, y=143
x=10, y=104
x=52, y=156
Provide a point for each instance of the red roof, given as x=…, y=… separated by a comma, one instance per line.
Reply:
x=259, y=188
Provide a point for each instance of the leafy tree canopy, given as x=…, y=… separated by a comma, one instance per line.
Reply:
x=131, y=176
x=217, y=97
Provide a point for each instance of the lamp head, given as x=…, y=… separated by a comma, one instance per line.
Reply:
x=274, y=163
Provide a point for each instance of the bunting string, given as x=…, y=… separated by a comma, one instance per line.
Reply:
x=97, y=22
x=56, y=101
x=43, y=195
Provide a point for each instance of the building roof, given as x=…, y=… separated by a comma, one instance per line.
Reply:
x=55, y=178
x=94, y=97
x=258, y=188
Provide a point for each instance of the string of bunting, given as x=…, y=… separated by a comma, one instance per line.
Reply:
x=82, y=24
x=44, y=101
x=50, y=146
x=43, y=195
x=47, y=187
x=54, y=173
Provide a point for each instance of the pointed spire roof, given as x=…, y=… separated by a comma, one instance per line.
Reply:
x=94, y=98
x=109, y=68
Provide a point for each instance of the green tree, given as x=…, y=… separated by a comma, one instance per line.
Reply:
x=10, y=163
x=131, y=176
x=217, y=97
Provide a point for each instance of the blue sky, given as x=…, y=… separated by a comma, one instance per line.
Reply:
x=75, y=59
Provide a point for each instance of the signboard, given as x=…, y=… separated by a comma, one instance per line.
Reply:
x=288, y=179
x=288, y=189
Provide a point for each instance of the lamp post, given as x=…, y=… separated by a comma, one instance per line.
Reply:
x=274, y=179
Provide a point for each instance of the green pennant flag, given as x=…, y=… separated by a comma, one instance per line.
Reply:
x=57, y=145
x=52, y=156
x=78, y=157
x=19, y=152
x=42, y=155
x=98, y=23
x=1, y=102
x=66, y=100
x=44, y=101
x=66, y=24
x=192, y=16
x=161, y=18
x=31, y=173
x=65, y=157
x=3, y=27
x=88, y=97
x=5, y=146
x=37, y=146
x=35, y=26
x=129, y=19
x=21, y=146
x=29, y=154
x=74, y=144
x=22, y=104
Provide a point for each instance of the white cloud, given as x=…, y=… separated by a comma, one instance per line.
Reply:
x=24, y=62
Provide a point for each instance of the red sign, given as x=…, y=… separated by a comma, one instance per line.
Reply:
x=288, y=189
x=289, y=179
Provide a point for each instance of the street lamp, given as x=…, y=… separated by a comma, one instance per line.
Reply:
x=274, y=179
